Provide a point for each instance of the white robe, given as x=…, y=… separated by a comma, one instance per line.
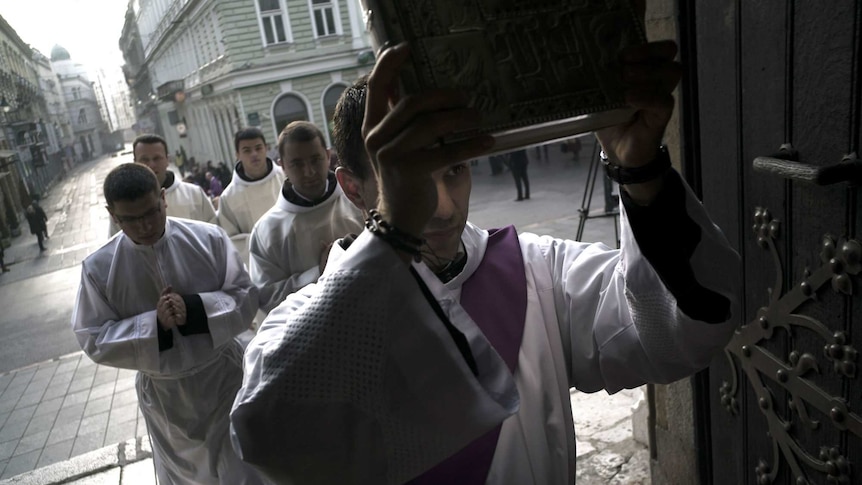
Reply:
x=189, y=201
x=242, y=203
x=287, y=242
x=185, y=200
x=379, y=376
x=185, y=392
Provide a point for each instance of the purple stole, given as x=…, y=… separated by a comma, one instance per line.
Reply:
x=495, y=297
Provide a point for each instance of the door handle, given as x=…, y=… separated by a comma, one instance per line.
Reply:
x=785, y=164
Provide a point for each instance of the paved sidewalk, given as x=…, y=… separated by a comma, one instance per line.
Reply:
x=66, y=407
x=60, y=416
x=126, y=463
x=607, y=452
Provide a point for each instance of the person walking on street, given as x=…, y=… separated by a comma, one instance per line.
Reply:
x=37, y=219
x=3, y=267
x=519, y=163
x=39, y=208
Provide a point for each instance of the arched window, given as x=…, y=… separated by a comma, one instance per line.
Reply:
x=289, y=108
x=330, y=99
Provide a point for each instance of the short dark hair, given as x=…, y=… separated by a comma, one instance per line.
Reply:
x=347, y=140
x=129, y=181
x=249, y=133
x=149, y=140
x=299, y=131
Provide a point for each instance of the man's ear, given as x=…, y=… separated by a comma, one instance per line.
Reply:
x=114, y=219
x=350, y=185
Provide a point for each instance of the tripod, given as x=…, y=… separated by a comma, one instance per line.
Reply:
x=612, y=202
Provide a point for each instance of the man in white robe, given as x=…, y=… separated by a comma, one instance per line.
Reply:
x=252, y=191
x=457, y=368
x=288, y=243
x=185, y=200
x=167, y=297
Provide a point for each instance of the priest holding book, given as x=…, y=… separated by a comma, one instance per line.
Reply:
x=434, y=351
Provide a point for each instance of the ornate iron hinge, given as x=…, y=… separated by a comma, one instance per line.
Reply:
x=840, y=259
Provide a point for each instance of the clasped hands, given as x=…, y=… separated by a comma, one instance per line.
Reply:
x=171, y=309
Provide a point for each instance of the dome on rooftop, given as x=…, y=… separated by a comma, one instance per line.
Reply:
x=59, y=53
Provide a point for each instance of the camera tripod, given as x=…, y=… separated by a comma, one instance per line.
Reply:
x=612, y=201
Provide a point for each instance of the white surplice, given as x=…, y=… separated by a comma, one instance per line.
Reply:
x=286, y=243
x=243, y=202
x=361, y=361
x=189, y=201
x=184, y=392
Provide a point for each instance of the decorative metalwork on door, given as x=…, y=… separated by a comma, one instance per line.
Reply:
x=840, y=258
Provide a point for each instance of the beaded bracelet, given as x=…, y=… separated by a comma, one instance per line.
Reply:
x=397, y=238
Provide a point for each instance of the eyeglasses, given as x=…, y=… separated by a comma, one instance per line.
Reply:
x=147, y=216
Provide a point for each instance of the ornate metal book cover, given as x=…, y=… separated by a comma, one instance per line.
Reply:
x=537, y=69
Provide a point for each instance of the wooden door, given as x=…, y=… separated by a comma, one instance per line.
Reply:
x=784, y=404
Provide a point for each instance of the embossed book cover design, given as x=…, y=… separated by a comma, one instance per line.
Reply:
x=524, y=62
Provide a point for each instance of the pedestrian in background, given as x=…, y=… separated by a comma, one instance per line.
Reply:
x=542, y=154
x=519, y=164
x=3, y=267
x=37, y=219
x=215, y=185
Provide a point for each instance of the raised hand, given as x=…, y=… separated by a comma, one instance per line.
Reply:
x=402, y=139
x=651, y=75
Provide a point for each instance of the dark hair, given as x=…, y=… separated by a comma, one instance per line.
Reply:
x=129, y=181
x=299, y=131
x=347, y=137
x=247, y=134
x=149, y=140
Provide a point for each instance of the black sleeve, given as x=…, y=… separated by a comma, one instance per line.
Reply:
x=166, y=337
x=196, y=316
x=667, y=237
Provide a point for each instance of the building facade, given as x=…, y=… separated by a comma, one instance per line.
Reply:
x=137, y=77
x=88, y=127
x=112, y=94
x=21, y=106
x=54, y=122
x=216, y=66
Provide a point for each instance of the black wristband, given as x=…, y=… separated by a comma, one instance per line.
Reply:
x=657, y=167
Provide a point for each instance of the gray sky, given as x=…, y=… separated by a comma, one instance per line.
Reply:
x=88, y=29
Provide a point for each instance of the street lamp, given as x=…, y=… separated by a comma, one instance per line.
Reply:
x=4, y=105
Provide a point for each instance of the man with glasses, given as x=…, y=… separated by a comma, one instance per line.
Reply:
x=185, y=200
x=167, y=297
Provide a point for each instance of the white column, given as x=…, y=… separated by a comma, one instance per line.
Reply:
x=356, y=24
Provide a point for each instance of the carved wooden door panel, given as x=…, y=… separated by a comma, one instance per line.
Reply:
x=771, y=80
